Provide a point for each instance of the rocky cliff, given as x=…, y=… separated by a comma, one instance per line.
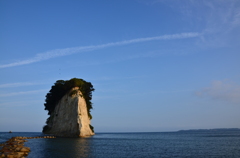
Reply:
x=70, y=117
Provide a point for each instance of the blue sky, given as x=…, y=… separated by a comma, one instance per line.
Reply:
x=156, y=65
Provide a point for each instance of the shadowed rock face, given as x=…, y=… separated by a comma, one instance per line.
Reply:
x=70, y=117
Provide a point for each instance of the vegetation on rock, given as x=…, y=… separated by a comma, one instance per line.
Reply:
x=61, y=87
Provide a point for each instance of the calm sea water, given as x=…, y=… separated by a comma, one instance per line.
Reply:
x=197, y=144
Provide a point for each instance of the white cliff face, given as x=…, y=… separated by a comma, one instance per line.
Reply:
x=70, y=117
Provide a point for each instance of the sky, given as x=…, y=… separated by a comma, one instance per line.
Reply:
x=156, y=65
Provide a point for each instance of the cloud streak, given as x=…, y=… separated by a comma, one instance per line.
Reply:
x=19, y=84
x=68, y=51
x=22, y=93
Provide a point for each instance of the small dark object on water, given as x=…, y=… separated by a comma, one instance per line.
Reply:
x=10, y=131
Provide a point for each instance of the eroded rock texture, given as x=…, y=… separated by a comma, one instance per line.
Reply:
x=70, y=117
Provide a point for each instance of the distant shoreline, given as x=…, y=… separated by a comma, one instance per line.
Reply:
x=214, y=129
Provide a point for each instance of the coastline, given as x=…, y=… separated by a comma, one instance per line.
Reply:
x=14, y=147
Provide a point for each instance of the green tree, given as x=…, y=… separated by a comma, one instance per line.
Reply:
x=61, y=87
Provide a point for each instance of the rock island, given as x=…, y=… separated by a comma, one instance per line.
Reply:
x=69, y=103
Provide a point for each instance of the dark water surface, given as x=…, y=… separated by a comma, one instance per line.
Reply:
x=187, y=144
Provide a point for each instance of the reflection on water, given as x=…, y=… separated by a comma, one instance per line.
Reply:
x=60, y=147
x=82, y=147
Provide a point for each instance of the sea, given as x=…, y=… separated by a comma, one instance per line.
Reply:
x=181, y=144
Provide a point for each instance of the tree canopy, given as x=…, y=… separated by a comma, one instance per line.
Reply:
x=61, y=87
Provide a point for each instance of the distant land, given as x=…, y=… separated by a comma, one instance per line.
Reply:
x=214, y=129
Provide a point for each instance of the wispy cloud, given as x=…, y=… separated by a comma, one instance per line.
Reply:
x=22, y=93
x=221, y=90
x=19, y=84
x=219, y=20
x=68, y=51
x=20, y=103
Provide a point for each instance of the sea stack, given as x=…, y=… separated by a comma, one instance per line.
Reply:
x=71, y=114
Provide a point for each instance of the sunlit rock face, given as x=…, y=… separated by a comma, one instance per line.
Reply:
x=70, y=117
